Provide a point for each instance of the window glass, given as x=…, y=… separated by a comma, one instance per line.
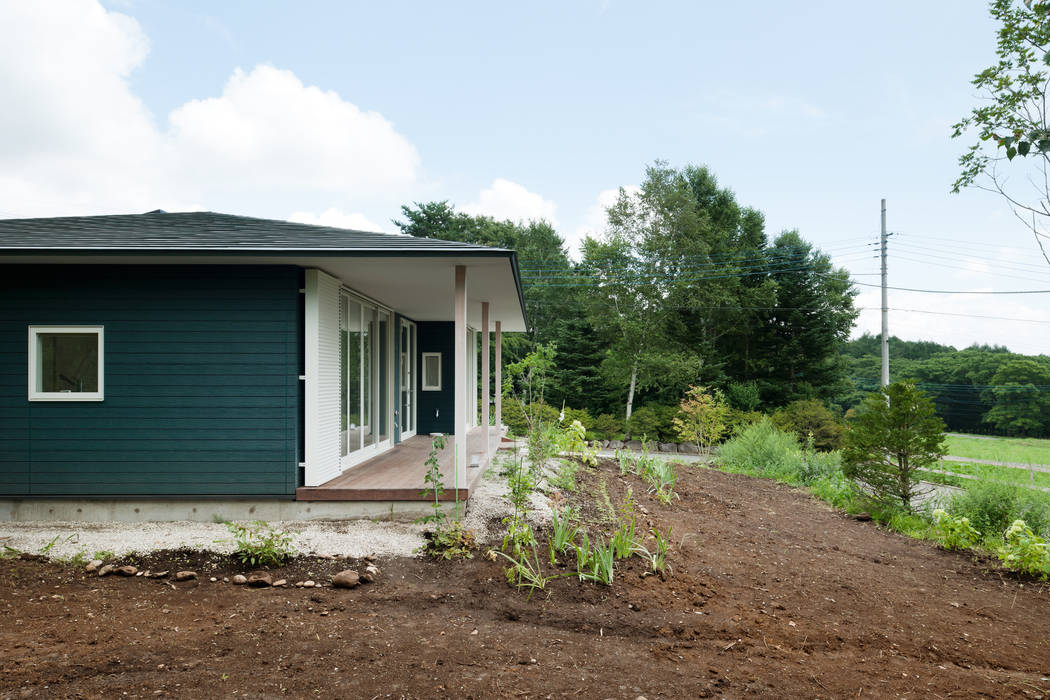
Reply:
x=67, y=362
x=431, y=371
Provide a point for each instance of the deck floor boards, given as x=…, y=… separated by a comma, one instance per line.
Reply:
x=398, y=474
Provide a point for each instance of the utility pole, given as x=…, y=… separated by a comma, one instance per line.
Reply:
x=885, y=305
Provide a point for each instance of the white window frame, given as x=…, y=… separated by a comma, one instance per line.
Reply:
x=423, y=385
x=34, y=346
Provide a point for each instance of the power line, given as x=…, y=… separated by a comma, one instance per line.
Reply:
x=946, y=291
x=738, y=255
x=991, y=318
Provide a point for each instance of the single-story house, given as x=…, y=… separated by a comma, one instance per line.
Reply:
x=193, y=365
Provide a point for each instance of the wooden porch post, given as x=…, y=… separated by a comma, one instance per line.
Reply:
x=485, y=393
x=459, y=428
x=499, y=377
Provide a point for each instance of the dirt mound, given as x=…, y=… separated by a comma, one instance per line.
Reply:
x=771, y=594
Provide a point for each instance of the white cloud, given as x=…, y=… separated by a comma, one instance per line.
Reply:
x=269, y=130
x=338, y=218
x=76, y=139
x=509, y=200
x=594, y=221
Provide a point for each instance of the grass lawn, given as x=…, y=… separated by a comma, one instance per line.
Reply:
x=996, y=473
x=1022, y=450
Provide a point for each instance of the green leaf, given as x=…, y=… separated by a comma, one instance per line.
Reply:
x=1011, y=152
x=1043, y=145
x=1046, y=58
x=1023, y=147
x=1006, y=141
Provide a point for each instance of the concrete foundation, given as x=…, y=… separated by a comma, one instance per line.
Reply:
x=154, y=510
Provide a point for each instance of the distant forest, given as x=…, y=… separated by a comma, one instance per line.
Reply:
x=982, y=389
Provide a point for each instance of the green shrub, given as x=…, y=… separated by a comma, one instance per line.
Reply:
x=580, y=414
x=1025, y=551
x=516, y=421
x=811, y=417
x=643, y=424
x=763, y=450
x=743, y=396
x=737, y=420
x=607, y=426
x=992, y=506
x=665, y=429
x=258, y=544
x=955, y=532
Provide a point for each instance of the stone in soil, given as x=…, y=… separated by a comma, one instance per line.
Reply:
x=280, y=583
x=346, y=579
x=93, y=566
x=186, y=576
x=128, y=570
x=106, y=570
x=240, y=580
x=260, y=579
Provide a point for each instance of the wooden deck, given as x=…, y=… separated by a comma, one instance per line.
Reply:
x=397, y=475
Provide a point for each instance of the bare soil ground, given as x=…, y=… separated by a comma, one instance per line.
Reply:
x=772, y=595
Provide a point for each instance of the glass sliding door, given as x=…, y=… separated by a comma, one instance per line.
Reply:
x=384, y=374
x=407, y=399
x=365, y=379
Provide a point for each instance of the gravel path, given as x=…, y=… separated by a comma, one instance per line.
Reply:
x=353, y=538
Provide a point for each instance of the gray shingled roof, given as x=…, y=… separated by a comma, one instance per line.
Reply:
x=208, y=231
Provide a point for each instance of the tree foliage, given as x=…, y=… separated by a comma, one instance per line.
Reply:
x=681, y=288
x=1013, y=136
x=895, y=434
x=702, y=417
x=810, y=419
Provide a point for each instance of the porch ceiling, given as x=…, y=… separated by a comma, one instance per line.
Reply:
x=422, y=287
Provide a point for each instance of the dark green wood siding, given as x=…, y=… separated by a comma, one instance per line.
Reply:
x=437, y=409
x=201, y=382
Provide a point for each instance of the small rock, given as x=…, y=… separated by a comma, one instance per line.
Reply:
x=240, y=580
x=128, y=570
x=93, y=566
x=633, y=445
x=106, y=570
x=370, y=557
x=346, y=579
x=141, y=573
x=260, y=579
x=668, y=447
x=280, y=583
x=186, y=575
x=616, y=444
x=225, y=579
x=372, y=569
x=213, y=579
x=308, y=584
x=326, y=556
x=862, y=517
x=157, y=574
x=367, y=578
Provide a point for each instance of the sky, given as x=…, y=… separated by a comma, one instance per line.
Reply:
x=338, y=113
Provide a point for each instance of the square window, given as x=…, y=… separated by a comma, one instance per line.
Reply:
x=431, y=371
x=65, y=363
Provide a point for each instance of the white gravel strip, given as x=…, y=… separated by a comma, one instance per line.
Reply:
x=353, y=538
